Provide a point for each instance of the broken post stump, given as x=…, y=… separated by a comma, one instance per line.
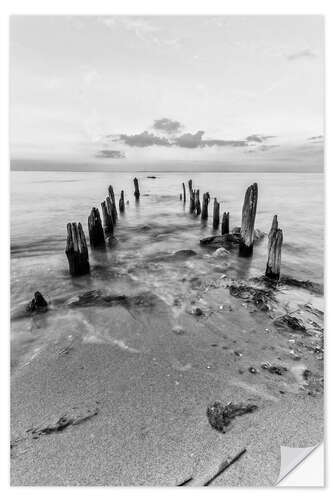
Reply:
x=205, y=202
x=121, y=202
x=114, y=212
x=225, y=223
x=216, y=214
x=107, y=220
x=184, y=193
x=77, y=250
x=136, y=188
x=275, y=240
x=95, y=228
x=197, y=205
x=191, y=191
x=248, y=218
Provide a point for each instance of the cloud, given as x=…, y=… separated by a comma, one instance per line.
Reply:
x=302, y=54
x=316, y=138
x=167, y=125
x=110, y=153
x=190, y=140
x=143, y=140
x=259, y=138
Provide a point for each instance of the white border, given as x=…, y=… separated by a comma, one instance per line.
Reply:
x=189, y=7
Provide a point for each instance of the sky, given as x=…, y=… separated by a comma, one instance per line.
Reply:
x=242, y=91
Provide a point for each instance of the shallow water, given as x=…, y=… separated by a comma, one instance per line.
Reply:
x=43, y=202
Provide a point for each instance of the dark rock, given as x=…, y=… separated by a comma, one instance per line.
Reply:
x=185, y=253
x=38, y=304
x=151, y=177
x=277, y=369
x=197, y=311
x=220, y=416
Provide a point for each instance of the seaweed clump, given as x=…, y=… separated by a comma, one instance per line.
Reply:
x=260, y=297
x=220, y=415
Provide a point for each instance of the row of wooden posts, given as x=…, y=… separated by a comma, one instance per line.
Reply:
x=275, y=237
x=101, y=235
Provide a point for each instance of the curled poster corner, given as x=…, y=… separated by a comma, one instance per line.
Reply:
x=291, y=457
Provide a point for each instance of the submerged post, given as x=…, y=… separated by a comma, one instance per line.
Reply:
x=96, y=234
x=113, y=204
x=205, y=202
x=121, y=202
x=136, y=188
x=184, y=193
x=107, y=219
x=248, y=218
x=225, y=223
x=275, y=239
x=77, y=250
x=216, y=214
x=191, y=191
x=197, y=205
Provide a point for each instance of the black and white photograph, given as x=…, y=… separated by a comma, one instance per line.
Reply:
x=166, y=248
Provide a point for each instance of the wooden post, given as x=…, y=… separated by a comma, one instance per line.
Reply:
x=216, y=214
x=205, y=202
x=136, y=188
x=107, y=220
x=197, y=205
x=225, y=223
x=114, y=208
x=184, y=193
x=248, y=218
x=275, y=239
x=77, y=250
x=96, y=235
x=191, y=191
x=121, y=202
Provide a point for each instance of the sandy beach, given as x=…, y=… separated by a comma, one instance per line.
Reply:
x=141, y=403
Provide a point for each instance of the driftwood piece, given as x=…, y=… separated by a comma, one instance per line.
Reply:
x=225, y=223
x=216, y=214
x=136, y=188
x=96, y=234
x=205, y=202
x=248, y=218
x=224, y=466
x=107, y=220
x=191, y=191
x=275, y=239
x=121, y=202
x=184, y=193
x=77, y=250
x=113, y=204
x=197, y=204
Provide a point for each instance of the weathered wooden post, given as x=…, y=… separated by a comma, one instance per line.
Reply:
x=136, y=188
x=191, y=191
x=77, y=250
x=107, y=220
x=205, y=202
x=216, y=214
x=248, y=218
x=275, y=240
x=184, y=193
x=121, y=202
x=96, y=234
x=114, y=208
x=225, y=223
x=197, y=205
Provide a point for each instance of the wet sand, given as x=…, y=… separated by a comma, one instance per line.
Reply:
x=142, y=387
